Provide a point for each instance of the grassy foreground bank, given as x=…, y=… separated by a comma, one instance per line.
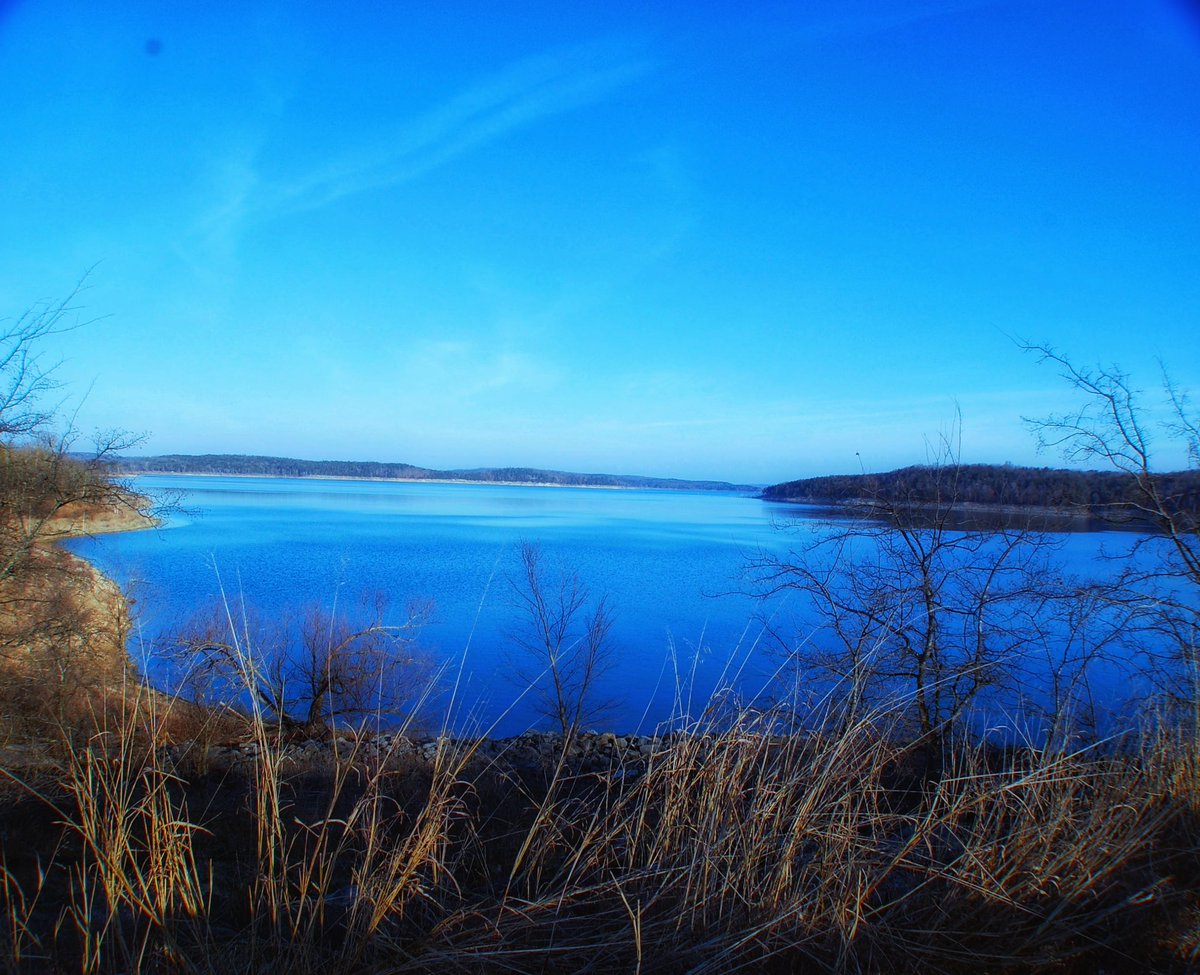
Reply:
x=727, y=848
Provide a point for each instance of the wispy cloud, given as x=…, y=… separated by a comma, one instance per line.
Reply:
x=460, y=372
x=519, y=95
x=234, y=184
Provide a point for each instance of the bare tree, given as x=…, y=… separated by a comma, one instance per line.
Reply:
x=917, y=604
x=47, y=486
x=308, y=674
x=1110, y=427
x=46, y=476
x=1160, y=583
x=26, y=377
x=61, y=629
x=563, y=644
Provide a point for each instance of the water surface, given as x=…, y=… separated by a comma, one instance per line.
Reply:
x=671, y=565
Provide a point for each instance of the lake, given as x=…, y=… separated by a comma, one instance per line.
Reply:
x=670, y=564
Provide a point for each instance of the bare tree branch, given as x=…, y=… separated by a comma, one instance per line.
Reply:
x=1162, y=577
x=311, y=674
x=26, y=377
x=562, y=649
x=915, y=608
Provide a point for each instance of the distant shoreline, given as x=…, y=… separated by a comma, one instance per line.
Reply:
x=422, y=480
x=256, y=465
x=970, y=515
x=1006, y=495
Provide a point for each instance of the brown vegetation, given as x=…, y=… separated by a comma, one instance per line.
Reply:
x=62, y=626
x=728, y=848
x=310, y=675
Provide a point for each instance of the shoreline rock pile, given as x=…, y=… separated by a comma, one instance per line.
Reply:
x=586, y=752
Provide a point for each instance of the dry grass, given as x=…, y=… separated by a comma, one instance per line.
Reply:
x=733, y=848
x=62, y=646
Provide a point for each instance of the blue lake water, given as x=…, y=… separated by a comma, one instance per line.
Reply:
x=670, y=563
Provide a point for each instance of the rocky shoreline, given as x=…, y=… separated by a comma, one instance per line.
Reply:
x=591, y=751
x=586, y=752
x=78, y=521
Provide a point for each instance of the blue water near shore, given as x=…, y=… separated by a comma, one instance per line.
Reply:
x=670, y=563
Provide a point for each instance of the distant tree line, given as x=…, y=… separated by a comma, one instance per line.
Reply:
x=266, y=466
x=259, y=466
x=1106, y=495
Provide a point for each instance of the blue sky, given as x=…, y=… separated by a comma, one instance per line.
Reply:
x=744, y=241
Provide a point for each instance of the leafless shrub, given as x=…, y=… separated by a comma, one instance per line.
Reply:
x=309, y=674
x=924, y=607
x=1159, y=585
x=563, y=644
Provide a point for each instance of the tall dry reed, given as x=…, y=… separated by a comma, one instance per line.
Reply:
x=730, y=846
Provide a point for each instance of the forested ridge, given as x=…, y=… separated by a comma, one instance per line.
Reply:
x=240, y=464
x=1099, y=494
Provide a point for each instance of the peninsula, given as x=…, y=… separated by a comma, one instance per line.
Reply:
x=1101, y=497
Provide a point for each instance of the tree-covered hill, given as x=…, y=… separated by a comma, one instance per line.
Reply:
x=259, y=466
x=1098, y=494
